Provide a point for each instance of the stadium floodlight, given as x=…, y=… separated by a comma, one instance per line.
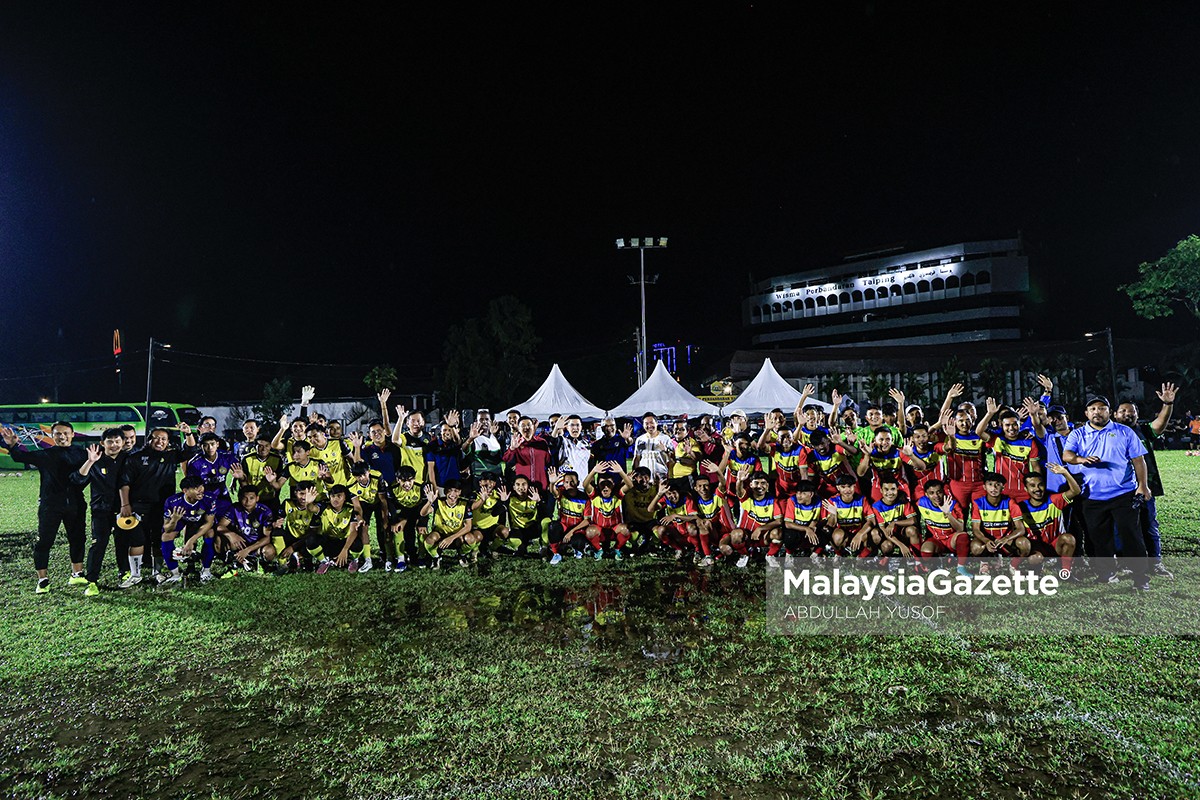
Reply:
x=642, y=244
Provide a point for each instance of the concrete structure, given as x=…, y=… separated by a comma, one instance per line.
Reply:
x=968, y=292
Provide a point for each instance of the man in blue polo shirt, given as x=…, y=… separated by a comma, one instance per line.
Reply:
x=1115, y=489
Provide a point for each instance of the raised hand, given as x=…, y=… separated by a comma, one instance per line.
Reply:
x=898, y=396
x=93, y=453
x=269, y=474
x=401, y=412
x=956, y=391
x=948, y=426
x=9, y=436
x=1167, y=393
x=1057, y=469
x=553, y=476
x=829, y=507
x=744, y=472
x=452, y=418
x=383, y=396
x=307, y=393
x=503, y=493
x=947, y=504
x=323, y=470
x=836, y=399
x=992, y=405
x=809, y=390
x=475, y=431
x=1045, y=383
x=627, y=431
x=535, y=494
x=708, y=466
x=175, y=515
x=237, y=472
x=185, y=429
x=429, y=492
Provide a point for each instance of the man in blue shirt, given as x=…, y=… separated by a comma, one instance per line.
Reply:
x=1115, y=489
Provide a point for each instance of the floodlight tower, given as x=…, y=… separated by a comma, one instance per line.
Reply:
x=642, y=244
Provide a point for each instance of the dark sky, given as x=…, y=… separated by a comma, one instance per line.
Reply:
x=314, y=183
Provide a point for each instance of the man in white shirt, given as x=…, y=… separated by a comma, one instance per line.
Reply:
x=653, y=449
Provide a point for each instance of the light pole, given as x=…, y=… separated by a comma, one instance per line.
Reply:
x=1112, y=361
x=150, y=381
x=642, y=244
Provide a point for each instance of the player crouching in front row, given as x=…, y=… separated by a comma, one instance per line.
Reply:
x=244, y=532
x=450, y=530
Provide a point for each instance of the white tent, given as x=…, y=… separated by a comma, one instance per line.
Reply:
x=557, y=396
x=769, y=391
x=663, y=395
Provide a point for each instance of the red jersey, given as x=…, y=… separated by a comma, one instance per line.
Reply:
x=1013, y=459
x=965, y=462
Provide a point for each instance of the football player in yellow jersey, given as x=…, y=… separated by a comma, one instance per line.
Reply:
x=300, y=470
x=486, y=510
x=414, y=443
x=333, y=453
x=450, y=527
x=289, y=433
x=254, y=465
x=338, y=532
x=522, y=531
x=299, y=512
x=368, y=495
x=404, y=505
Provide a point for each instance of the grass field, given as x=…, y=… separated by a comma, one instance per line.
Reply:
x=589, y=680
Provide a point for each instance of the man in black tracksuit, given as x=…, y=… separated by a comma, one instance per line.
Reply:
x=102, y=471
x=60, y=500
x=148, y=480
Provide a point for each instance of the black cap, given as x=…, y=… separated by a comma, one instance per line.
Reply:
x=1097, y=398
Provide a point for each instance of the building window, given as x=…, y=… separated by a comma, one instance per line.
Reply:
x=938, y=284
x=856, y=296
x=984, y=277
x=869, y=295
x=910, y=288
x=787, y=306
x=952, y=282
x=775, y=308
x=766, y=309
x=833, y=301
x=896, y=290
x=968, y=279
x=820, y=301
x=923, y=287
x=809, y=304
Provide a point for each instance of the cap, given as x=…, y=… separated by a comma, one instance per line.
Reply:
x=1096, y=398
x=741, y=414
x=1057, y=410
x=910, y=407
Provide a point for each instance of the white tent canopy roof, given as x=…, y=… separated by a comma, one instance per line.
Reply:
x=662, y=395
x=556, y=395
x=769, y=391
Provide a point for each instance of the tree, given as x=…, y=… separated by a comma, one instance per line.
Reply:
x=877, y=387
x=993, y=378
x=950, y=374
x=277, y=398
x=381, y=377
x=827, y=384
x=490, y=360
x=1172, y=280
x=914, y=388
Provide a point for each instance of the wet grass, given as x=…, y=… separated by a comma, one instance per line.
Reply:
x=593, y=680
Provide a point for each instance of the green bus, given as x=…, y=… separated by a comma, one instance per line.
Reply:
x=32, y=422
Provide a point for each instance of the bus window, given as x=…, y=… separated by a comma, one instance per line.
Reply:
x=189, y=415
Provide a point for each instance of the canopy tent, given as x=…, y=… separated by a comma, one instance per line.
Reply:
x=556, y=395
x=662, y=395
x=769, y=391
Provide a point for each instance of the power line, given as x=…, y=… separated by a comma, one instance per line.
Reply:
x=294, y=363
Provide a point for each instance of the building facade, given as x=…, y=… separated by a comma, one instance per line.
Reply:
x=967, y=292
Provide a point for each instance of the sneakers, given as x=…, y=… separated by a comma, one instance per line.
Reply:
x=43, y=586
x=1141, y=586
x=324, y=566
x=789, y=561
x=556, y=558
x=352, y=567
x=742, y=562
x=618, y=555
x=707, y=561
x=175, y=576
x=388, y=566
x=206, y=575
x=129, y=582
x=400, y=566
x=92, y=590
x=696, y=556
x=599, y=554
x=366, y=565
x=229, y=573
x=962, y=570
x=1162, y=571
x=578, y=553
x=679, y=555
x=772, y=562
x=77, y=579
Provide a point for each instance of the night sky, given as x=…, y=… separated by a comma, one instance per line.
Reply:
x=316, y=183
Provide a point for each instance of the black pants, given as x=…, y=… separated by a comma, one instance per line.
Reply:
x=1102, y=518
x=103, y=525
x=48, y=524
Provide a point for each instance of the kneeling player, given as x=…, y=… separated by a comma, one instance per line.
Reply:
x=189, y=512
x=677, y=528
x=368, y=493
x=521, y=533
x=895, y=520
x=407, y=524
x=802, y=532
x=849, y=519
x=569, y=531
x=450, y=530
x=486, y=509
x=759, y=516
x=712, y=517
x=1043, y=516
x=996, y=522
x=337, y=532
x=945, y=530
x=244, y=530
x=299, y=513
x=607, y=524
